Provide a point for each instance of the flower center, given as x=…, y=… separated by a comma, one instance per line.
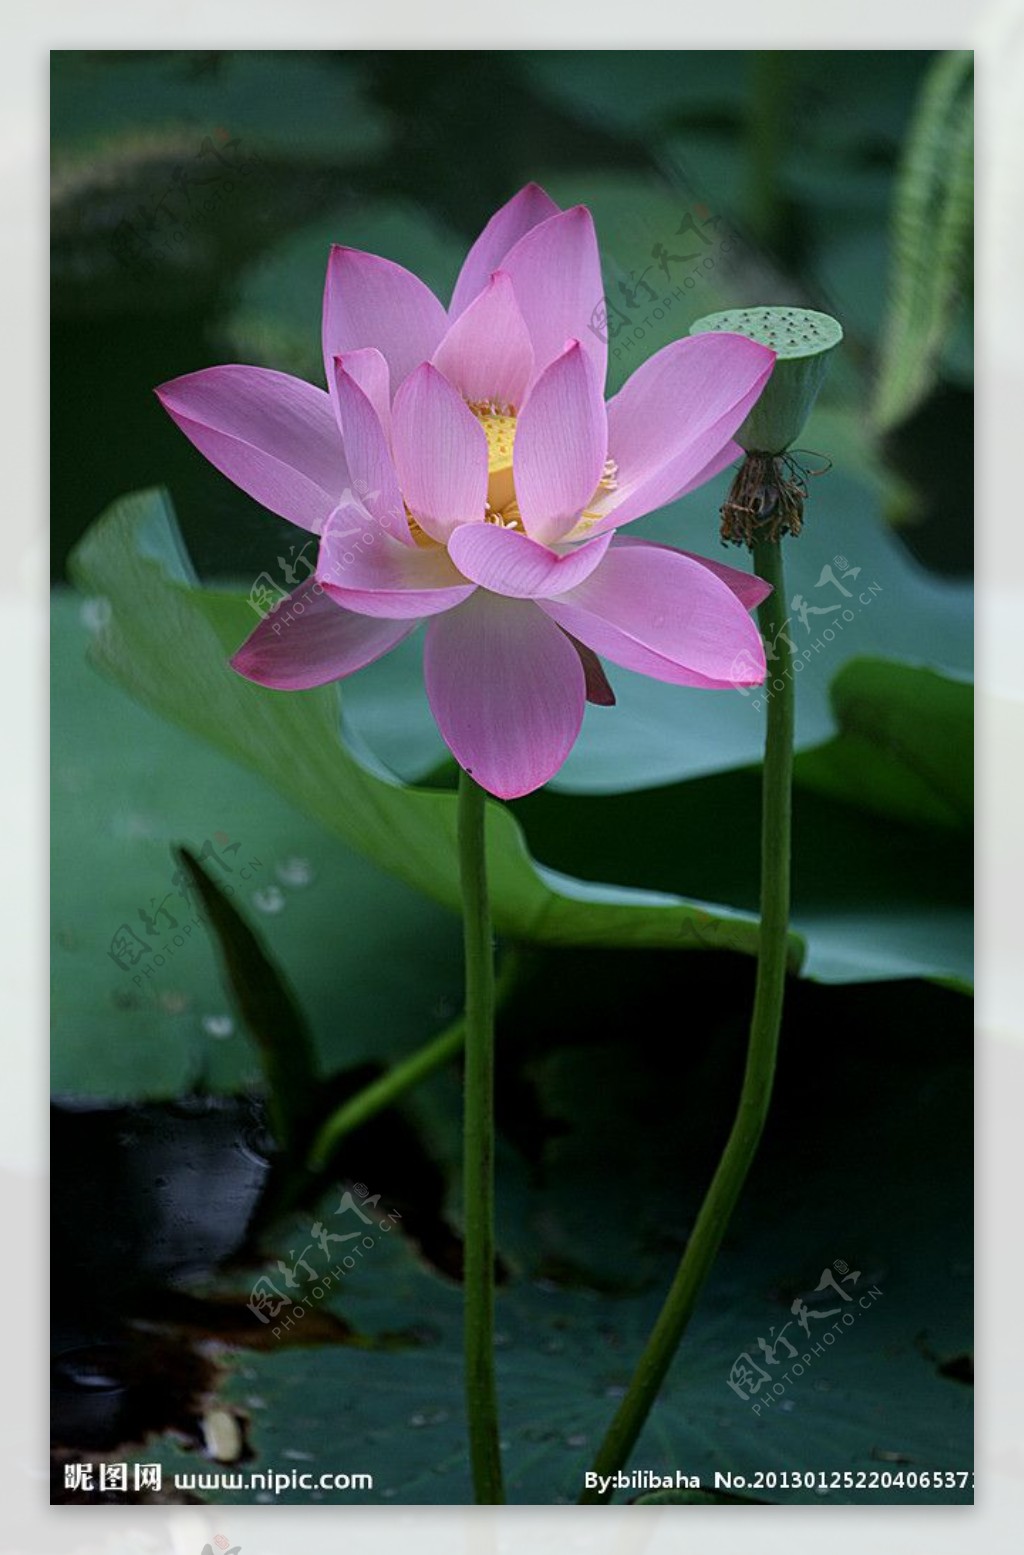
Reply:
x=501, y=508
x=499, y=424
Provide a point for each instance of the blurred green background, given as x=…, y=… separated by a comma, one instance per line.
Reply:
x=195, y=196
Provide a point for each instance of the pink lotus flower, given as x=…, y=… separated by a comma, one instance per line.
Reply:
x=463, y=469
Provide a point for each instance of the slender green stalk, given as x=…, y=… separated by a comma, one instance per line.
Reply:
x=768, y=98
x=755, y=1095
x=478, y=1148
x=389, y=1088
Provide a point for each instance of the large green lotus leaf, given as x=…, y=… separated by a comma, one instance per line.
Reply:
x=873, y=898
x=868, y=917
x=396, y=1411
x=388, y=1401
x=905, y=748
x=378, y=965
x=167, y=642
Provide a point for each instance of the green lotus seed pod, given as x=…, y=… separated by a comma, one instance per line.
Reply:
x=801, y=340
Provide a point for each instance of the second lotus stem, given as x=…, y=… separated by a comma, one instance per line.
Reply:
x=766, y=1019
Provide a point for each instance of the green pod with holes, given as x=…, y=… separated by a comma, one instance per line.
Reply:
x=802, y=340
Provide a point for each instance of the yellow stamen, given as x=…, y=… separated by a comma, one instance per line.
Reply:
x=499, y=424
x=509, y=518
x=422, y=539
x=608, y=482
x=501, y=507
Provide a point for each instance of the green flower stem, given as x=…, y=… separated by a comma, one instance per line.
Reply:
x=755, y=1096
x=767, y=98
x=478, y=1148
x=389, y=1088
x=383, y=1092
